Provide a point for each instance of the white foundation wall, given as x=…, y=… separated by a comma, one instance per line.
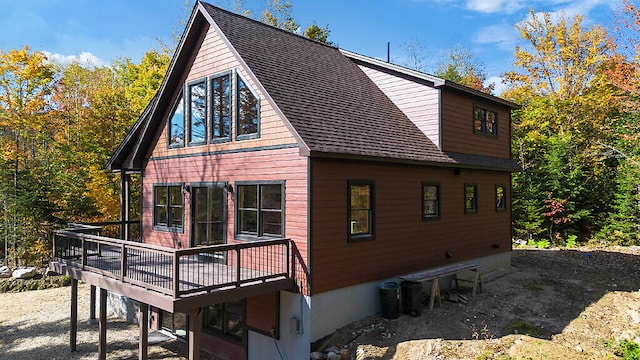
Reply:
x=334, y=309
x=291, y=345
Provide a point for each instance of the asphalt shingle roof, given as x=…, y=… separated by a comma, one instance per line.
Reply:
x=330, y=102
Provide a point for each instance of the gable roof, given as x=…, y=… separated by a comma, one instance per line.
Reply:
x=328, y=102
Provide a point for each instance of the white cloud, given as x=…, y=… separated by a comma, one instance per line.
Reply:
x=85, y=58
x=495, y=6
x=500, y=87
x=503, y=36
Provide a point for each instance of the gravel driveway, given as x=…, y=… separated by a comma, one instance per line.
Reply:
x=35, y=325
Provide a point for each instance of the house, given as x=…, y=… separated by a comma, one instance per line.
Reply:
x=284, y=179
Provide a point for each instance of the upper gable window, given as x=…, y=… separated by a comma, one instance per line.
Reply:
x=221, y=107
x=248, y=111
x=176, y=125
x=485, y=121
x=197, y=112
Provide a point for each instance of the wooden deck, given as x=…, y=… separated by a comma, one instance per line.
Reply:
x=176, y=280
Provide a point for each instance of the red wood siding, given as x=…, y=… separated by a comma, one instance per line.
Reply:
x=262, y=312
x=214, y=58
x=418, y=101
x=283, y=164
x=403, y=241
x=457, y=127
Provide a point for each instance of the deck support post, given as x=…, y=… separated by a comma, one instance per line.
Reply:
x=195, y=327
x=102, y=326
x=143, y=344
x=92, y=305
x=125, y=204
x=73, y=331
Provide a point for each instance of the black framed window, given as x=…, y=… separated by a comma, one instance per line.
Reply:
x=208, y=214
x=470, y=198
x=361, y=209
x=260, y=210
x=226, y=319
x=485, y=121
x=430, y=200
x=221, y=107
x=168, y=207
x=501, y=197
x=176, y=123
x=197, y=101
x=248, y=123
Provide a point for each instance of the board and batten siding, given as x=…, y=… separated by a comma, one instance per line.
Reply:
x=215, y=58
x=457, y=127
x=419, y=102
x=261, y=165
x=403, y=242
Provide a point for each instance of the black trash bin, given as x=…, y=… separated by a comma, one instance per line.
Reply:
x=390, y=299
x=411, y=291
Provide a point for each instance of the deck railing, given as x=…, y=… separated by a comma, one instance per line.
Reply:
x=178, y=272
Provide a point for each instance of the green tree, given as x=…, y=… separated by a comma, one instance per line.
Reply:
x=26, y=80
x=568, y=104
x=460, y=67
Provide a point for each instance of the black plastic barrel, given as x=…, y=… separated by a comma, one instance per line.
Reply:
x=411, y=291
x=390, y=299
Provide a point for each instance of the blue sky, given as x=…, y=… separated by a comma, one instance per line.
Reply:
x=101, y=31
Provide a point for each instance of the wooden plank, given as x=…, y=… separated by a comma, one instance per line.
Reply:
x=435, y=273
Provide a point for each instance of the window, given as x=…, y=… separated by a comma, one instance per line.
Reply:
x=248, y=111
x=221, y=107
x=176, y=124
x=260, y=210
x=168, y=206
x=470, y=198
x=226, y=319
x=430, y=201
x=485, y=121
x=501, y=197
x=361, y=210
x=197, y=113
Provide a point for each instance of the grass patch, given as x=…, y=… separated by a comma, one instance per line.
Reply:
x=628, y=350
x=522, y=327
x=38, y=283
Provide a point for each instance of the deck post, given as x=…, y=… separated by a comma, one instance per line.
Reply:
x=102, y=325
x=195, y=327
x=143, y=343
x=92, y=305
x=125, y=204
x=74, y=315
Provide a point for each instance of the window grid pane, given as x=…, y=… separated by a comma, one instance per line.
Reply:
x=360, y=212
x=197, y=112
x=430, y=200
x=221, y=112
x=470, y=201
x=247, y=110
x=177, y=124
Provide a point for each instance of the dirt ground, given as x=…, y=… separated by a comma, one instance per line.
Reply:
x=552, y=304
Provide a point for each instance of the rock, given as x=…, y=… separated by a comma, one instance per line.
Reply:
x=333, y=349
x=316, y=355
x=50, y=272
x=579, y=348
x=25, y=273
x=5, y=272
x=333, y=356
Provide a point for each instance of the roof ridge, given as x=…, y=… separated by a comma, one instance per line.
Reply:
x=258, y=22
